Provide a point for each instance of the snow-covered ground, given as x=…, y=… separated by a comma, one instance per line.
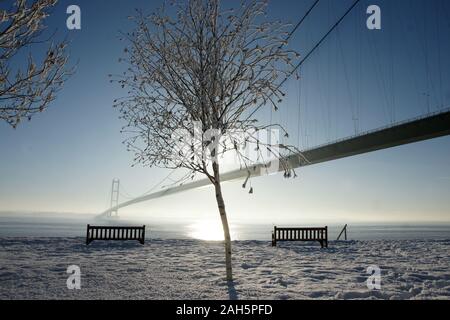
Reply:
x=35, y=268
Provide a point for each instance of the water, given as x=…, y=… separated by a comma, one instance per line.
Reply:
x=34, y=225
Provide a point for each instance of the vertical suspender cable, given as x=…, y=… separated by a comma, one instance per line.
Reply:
x=307, y=56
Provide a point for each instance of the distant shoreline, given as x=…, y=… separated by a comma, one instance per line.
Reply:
x=12, y=225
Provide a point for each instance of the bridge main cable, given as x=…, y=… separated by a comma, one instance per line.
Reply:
x=320, y=42
x=312, y=50
x=307, y=13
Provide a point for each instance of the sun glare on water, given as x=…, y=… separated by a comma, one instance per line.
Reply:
x=208, y=230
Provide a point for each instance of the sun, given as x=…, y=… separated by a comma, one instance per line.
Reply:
x=209, y=230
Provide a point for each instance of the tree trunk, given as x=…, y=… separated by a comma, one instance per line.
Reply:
x=224, y=219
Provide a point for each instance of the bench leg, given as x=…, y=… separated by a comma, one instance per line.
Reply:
x=143, y=235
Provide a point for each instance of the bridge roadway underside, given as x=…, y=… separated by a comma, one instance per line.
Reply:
x=434, y=126
x=414, y=131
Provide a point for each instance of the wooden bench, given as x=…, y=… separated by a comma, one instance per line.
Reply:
x=115, y=233
x=300, y=234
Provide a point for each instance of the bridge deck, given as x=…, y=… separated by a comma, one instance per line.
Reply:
x=419, y=129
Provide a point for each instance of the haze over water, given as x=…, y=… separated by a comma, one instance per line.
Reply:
x=73, y=225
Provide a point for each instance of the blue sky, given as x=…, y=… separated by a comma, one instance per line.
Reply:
x=65, y=159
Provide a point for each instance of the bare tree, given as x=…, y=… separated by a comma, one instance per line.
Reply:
x=195, y=83
x=27, y=87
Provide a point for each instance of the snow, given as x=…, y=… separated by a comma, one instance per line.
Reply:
x=35, y=268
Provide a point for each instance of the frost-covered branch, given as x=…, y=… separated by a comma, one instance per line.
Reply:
x=27, y=86
x=206, y=68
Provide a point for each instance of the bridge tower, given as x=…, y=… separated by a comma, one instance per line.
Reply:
x=114, y=198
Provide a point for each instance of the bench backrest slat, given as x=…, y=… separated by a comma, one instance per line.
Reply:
x=115, y=233
x=300, y=234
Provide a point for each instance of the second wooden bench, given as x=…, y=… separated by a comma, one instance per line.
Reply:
x=300, y=234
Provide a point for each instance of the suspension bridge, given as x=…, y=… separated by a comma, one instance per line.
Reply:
x=429, y=125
